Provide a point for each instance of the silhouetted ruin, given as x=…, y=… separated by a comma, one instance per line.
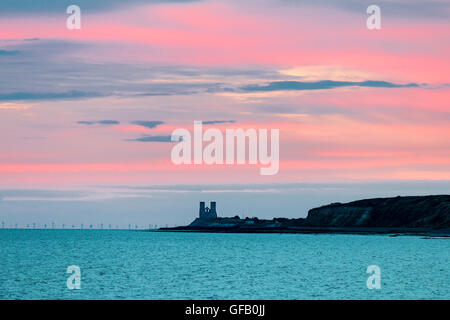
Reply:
x=208, y=213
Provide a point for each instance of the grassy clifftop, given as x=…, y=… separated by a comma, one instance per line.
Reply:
x=408, y=212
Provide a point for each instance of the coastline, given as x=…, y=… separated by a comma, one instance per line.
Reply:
x=411, y=215
x=429, y=232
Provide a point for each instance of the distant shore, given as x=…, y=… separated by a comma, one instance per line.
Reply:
x=318, y=230
x=414, y=215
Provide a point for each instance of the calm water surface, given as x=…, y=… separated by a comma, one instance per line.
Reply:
x=149, y=265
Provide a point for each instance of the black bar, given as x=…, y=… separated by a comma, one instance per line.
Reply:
x=231, y=309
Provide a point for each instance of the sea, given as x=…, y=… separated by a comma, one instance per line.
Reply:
x=126, y=264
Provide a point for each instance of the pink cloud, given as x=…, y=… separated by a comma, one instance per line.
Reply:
x=218, y=33
x=385, y=142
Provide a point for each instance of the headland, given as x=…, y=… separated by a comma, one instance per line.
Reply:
x=419, y=215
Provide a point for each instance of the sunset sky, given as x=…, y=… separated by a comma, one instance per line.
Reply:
x=85, y=114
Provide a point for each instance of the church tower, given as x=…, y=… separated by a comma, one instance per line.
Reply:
x=206, y=213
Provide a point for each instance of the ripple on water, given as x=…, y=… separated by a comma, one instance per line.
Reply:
x=146, y=265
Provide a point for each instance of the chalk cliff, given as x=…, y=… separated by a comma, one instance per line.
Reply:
x=407, y=212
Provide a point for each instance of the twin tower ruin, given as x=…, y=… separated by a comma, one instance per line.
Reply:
x=208, y=213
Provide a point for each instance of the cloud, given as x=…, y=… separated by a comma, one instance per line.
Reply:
x=59, y=6
x=69, y=95
x=102, y=122
x=174, y=93
x=33, y=138
x=218, y=121
x=41, y=193
x=15, y=106
x=39, y=66
x=323, y=84
x=148, y=138
x=147, y=124
x=43, y=64
x=394, y=8
x=9, y=52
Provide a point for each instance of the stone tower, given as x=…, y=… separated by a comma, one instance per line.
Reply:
x=206, y=213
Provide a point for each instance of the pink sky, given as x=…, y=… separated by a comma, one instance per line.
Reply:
x=339, y=134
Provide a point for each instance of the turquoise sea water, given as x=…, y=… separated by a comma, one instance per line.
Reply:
x=149, y=265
